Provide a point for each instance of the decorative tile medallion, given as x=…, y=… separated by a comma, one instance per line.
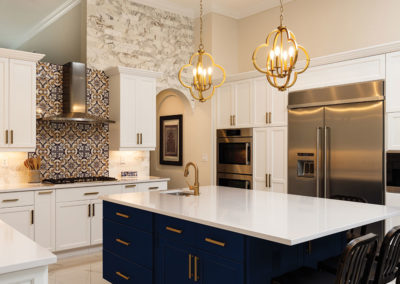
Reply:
x=71, y=149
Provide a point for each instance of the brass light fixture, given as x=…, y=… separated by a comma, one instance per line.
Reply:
x=202, y=63
x=281, y=57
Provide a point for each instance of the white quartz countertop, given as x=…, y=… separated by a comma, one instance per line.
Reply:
x=283, y=218
x=42, y=186
x=18, y=252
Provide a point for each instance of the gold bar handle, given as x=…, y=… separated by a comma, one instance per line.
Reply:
x=214, y=242
x=93, y=210
x=6, y=136
x=269, y=180
x=234, y=119
x=130, y=185
x=190, y=266
x=270, y=117
x=10, y=200
x=122, y=275
x=141, y=138
x=32, y=217
x=122, y=242
x=196, y=277
x=89, y=211
x=266, y=180
x=153, y=188
x=173, y=230
x=91, y=193
x=137, y=138
x=12, y=136
x=231, y=118
x=266, y=118
x=45, y=192
x=122, y=215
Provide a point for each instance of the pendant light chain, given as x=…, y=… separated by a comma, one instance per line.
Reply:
x=281, y=12
x=201, y=46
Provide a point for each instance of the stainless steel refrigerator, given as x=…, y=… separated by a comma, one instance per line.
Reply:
x=336, y=142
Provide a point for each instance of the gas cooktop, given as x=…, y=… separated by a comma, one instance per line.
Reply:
x=77, y=179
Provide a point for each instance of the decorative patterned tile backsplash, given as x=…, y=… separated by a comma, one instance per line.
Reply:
x=71, y=149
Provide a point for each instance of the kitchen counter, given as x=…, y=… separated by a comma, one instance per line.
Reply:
x=18, y=252
x=280, y=218
x=41, y=186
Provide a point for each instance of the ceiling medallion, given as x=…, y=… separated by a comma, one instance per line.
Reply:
x=281, y=57
x=202, y=65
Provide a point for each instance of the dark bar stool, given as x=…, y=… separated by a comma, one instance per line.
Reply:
x=354, y=266
x=388, y=260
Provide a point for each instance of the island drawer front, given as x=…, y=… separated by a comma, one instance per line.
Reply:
x=16, y=199
x=175, y=229
x=117, y=270
x=129, y=243
x=128, y=216
x=220, y=242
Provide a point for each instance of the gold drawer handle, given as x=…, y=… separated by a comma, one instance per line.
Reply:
x=153, y=188
x=214, y=242
x=122, y=275
x=45, y=192
x=122, y=242
x=11, y=200
x=122, y=215
x=130, y=186
x=91, y=193
x=173, y=230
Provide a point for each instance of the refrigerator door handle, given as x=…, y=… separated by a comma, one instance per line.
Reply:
x=318, y=160
x=326, y=129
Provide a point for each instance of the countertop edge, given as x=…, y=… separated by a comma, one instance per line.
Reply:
x=28, y=265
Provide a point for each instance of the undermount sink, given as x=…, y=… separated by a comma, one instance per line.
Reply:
x=178, y=193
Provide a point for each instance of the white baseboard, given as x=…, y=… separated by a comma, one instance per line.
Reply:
x=79, y=252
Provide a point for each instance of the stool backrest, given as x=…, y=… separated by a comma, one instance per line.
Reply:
x=356, y=260
x=387, y=267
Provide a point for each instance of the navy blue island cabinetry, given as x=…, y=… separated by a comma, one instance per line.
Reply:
x=148, y=248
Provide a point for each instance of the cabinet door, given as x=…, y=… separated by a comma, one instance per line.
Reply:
x=243, y=104
x=260, y=137
x=96, y=225
x=393, y=131
x=278, y=107
x=72, y=224
x=216, y=270
x=20, y=218
x=175, y=261
x=22, y=105
x=128, y=134
x=146, y=111
x=3, y=101
x=261, y=100
x=277, y=158
x=392, y=82
x=224, y=100
x=45, y=207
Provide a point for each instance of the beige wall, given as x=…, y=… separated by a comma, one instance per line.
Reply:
x=324, y=27
x=196, y=139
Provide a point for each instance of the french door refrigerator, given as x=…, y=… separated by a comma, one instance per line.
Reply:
x=336, y=142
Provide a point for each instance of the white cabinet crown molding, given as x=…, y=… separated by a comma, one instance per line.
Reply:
x=20, y=55
x=116, y=70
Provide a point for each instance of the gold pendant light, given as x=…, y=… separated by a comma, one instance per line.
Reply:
x=281, y=57
x=202, y=64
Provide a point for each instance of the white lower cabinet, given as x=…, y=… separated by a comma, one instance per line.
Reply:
x=96, y=223
x=270, y=159
x=20, y=218
x=44, y=218
x=37, y=275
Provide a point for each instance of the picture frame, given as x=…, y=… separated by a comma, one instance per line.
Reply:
x=171, y=140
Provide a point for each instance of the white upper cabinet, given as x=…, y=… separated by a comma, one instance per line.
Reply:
x=18, y=100
x=393, y=82
x=243, y=104
x=225, y=97
x=133, y=107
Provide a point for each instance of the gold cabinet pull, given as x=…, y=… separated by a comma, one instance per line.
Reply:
x=89, y=210
x=12, y=136
x=173, y=230
x=130, y=185
x=196, y=276
x=153, y=188
x=137, y=138
x=269, y=180
x=122, y=242
x=45, y=192
x=10, y=200
x=6, y=136
x=91, y=193
x=270, y=116
x=122, y=215
x=266, y=118
x=93, y=210
x=214, y=242
x=266, y=180
x=190, y=266
x=32, y=217
x=234, y=119
x=141, y=138
x=122, y=275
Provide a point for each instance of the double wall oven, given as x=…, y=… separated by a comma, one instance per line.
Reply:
x=234, y=161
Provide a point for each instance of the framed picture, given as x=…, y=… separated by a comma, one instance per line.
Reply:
x=171, y=140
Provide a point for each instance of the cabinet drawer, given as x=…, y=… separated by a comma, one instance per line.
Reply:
x=129, y=243
x=128, y=216
x=150, y=186
x=175, y=229
x=81, y=193
x=117, y=270
x=16, y=199
x=223, y=243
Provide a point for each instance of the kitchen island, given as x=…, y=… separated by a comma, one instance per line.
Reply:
x=225, y=235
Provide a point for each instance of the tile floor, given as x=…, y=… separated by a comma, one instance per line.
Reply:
x=85, y=269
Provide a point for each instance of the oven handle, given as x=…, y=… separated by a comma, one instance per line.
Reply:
x=247, y=154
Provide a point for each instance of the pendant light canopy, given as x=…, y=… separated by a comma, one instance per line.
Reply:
x=202, y=67
x=282, y=52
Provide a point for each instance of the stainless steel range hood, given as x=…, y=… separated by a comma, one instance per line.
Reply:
x=74, y=97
